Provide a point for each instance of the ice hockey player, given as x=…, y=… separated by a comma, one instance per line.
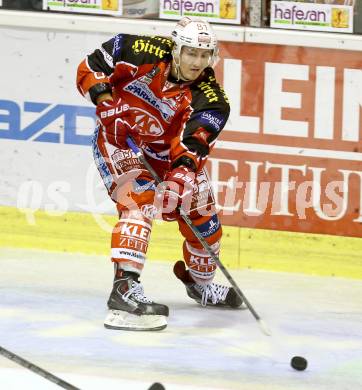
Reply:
x=162, y=92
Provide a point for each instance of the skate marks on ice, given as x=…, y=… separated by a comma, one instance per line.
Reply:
x=53, y=306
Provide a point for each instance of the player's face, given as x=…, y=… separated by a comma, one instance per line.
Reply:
x=193, y=61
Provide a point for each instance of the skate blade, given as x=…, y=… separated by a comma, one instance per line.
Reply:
x=117, y=319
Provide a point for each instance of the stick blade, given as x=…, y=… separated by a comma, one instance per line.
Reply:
x=264, y=328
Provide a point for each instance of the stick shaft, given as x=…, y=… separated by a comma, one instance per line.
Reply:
x=36, y=369
x=194, y=230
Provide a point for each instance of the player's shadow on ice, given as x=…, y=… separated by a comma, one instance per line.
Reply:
x=194, y=306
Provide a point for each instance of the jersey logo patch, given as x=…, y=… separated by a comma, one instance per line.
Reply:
x=212, y=119
x=166, y=107
x=145, y=123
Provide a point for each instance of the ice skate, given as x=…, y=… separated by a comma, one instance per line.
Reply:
x=211, y=294
x=130, y=309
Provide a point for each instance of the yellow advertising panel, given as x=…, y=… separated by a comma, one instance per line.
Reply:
x=110, y=5
x=217, y=11
x=105, y=7
x=309, y=16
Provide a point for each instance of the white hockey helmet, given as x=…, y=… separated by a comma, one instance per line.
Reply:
x=196, y=33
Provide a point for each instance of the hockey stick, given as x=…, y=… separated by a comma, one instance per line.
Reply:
x=201, y=239
x=36, y=369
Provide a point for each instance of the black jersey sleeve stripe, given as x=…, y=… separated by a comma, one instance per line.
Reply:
x=102, y=60
x=97, y=63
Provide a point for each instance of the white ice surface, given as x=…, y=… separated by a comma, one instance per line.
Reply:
x=52, y=308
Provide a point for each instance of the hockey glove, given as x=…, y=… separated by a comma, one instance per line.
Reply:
x=179, y=188
x=111, y=116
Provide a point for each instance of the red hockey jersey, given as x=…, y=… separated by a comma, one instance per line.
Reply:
x=177, y=121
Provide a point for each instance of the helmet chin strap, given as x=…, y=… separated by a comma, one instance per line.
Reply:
x=178, y=70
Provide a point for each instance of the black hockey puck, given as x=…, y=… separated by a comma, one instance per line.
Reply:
x=157, y=386
x=299, y=363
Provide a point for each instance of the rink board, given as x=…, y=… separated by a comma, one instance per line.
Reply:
x=46, y=161
x=54, y=302
x=241, y=248
x=288, y=159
